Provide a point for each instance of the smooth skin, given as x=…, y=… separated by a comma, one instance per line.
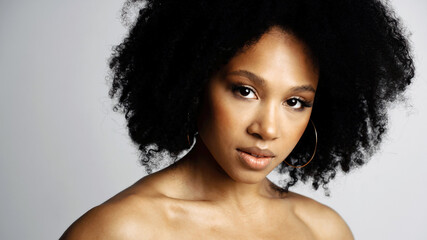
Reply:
x=262, y=98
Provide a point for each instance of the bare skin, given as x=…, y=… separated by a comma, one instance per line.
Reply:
x=213, y=193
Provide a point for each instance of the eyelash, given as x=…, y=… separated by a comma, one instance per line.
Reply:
x=304, y=104
x=236, y=88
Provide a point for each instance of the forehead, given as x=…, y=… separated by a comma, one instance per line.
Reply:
x=277, y=56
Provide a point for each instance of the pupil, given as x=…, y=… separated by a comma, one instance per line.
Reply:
x=292, y=102
x=244, y=91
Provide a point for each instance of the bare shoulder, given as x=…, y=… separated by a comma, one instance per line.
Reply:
x=324, y=222
x=125, y=216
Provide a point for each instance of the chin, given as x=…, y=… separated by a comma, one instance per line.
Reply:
x=248, y=176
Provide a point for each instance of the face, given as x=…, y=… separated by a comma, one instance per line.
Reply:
x=257, y=107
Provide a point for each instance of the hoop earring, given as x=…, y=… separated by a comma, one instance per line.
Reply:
x=188, y=140
x=314, y=153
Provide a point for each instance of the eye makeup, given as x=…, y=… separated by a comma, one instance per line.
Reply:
x=247, y=92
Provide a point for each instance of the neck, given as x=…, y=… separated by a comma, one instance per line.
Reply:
x=204, y=179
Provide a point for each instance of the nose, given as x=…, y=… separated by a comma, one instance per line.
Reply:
x=265, y=124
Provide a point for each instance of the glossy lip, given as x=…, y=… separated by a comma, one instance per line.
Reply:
x=257, y=151
x=260, y=161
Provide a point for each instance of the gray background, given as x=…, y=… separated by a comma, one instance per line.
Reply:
x=63, y=150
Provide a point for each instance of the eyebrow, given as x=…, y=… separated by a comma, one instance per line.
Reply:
x=303, y=88
x=251, y=76
x=260, y=81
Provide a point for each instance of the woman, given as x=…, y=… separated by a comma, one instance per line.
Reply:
x=250, y=85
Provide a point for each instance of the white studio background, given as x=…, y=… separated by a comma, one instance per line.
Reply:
x=63, y=150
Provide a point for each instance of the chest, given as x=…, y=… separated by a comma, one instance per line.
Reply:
x=208, y=224
x=235, y=233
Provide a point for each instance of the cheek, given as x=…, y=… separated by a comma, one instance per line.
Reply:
x=300, y=128
x=212, y=119
x=223, y=120
x=226, y=114
x=292, y=131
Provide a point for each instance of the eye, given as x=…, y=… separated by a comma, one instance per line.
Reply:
x=297, y=103
x=244, y=92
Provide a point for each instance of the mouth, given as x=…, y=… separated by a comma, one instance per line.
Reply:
x=257, y=152
x=255, y=158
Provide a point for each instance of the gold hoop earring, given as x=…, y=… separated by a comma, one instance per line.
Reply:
x=314, y=153
x=188, y=138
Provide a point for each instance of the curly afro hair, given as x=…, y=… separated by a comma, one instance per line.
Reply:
x=174, y=47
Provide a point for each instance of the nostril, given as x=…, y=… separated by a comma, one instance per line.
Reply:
x=257, y=135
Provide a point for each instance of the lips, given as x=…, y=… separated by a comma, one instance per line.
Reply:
x=257, y=152
x=255, y=158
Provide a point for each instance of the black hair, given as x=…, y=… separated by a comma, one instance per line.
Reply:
x=174, y=47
